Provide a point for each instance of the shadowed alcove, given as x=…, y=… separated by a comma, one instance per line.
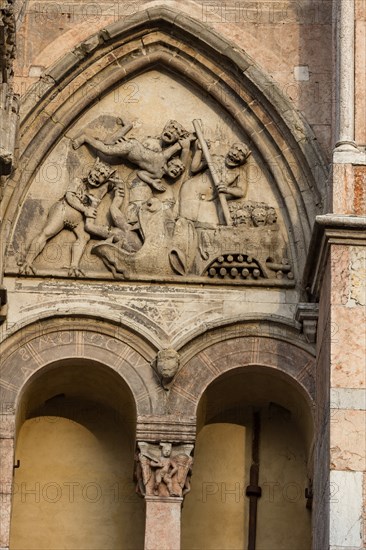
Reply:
x=250, y=416
x=75, y=446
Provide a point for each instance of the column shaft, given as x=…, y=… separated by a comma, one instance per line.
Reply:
x=163, y=516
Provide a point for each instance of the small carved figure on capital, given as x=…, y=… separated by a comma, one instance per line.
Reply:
x=163, y=470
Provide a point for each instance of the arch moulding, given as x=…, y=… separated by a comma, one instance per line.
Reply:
x=235, y=352
x=40, y=345
x=36, y=347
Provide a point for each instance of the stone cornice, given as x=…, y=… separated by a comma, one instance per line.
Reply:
x=330, y=229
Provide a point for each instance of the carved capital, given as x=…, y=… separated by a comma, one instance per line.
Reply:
x=163, y=470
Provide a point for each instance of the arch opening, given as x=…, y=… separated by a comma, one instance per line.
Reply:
x=249, y=418
x=75, y=445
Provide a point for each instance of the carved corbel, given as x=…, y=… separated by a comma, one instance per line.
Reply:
x=166, y=366
x=307, y=314
x=163, y=470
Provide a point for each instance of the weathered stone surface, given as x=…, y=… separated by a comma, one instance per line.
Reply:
x=5, y=513
x=7, y=461
x=348, y=362
x=345, y=521
x=7, y=421
x=347, y=441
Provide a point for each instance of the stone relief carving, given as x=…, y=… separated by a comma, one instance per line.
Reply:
x=76, y=211
x=181, y=213
x=163, y=470
x=166, y=364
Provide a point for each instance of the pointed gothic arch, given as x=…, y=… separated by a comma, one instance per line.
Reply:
x=159, y=38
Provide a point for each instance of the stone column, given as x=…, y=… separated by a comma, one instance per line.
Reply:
x=7, y=426
x=163, y=518
x=345, y=79
x=162, y=473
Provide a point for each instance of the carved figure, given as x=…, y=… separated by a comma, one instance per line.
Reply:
x=76, y=211
x=184, y=464
x=152, y=164
x=259, y=216
x=9, y=100
x=196, y=228
x=199, y=195
x=163, y=470
x=167, y=365
x=145, y=481
x=8, y=35
x=251, y=250
x=240, y=214
x=169, y=245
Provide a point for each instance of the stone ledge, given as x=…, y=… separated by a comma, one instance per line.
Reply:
x=356, y=157
x=163, y=500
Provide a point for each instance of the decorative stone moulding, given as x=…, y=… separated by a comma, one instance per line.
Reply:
x=9, y=101
x=155, y=151
x=7, y=40
x=126, y=358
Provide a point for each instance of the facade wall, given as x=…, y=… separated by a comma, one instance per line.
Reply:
x=283, y=339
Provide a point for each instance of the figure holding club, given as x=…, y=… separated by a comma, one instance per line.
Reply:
x=204, y=196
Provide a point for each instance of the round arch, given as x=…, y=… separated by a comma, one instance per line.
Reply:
x=59, y=340
x=75, y=445
x=249, y=386
x=159, y=38
x=253, y=347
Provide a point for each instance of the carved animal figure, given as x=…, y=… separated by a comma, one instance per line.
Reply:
x=169, y=245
